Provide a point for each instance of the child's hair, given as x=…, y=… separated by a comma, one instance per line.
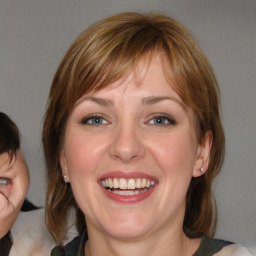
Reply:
x=9, y=136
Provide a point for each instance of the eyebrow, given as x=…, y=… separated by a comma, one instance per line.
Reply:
x=100, y=101
x=150, y=100
x=155, y=99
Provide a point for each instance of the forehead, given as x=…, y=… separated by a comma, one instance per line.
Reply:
x=4, y=158
x=151, y=75
x=6, y=161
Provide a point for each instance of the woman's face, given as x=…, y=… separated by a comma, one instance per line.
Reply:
x=130, y=151
x=14, y=183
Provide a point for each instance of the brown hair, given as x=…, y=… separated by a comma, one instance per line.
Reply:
x=106, y=52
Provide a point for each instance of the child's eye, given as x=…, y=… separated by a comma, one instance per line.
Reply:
x=162, y=120
x=5, y=181
x=94, y=120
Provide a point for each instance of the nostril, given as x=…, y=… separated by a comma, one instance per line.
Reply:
x=127, y=147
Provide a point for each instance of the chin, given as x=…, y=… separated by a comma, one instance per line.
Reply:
x=131, y=228
x=131, y=233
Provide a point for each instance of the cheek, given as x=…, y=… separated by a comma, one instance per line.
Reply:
x=175, y=158
x=25, y=179
x=174, y=153
x=83, y=157
x=19, y=191
x=20, y=185
x=83, y=154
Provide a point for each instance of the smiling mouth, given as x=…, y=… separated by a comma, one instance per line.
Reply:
x=127, y=187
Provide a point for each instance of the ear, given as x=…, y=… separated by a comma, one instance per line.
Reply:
x=63, y=165
x=203, y=155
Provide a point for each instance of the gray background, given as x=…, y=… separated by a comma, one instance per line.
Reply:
x=36, y=34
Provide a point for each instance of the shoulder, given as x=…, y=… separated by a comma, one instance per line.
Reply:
x=73, y=248
x=217, y=247
x=30, y=236
x=209, y=247
x=235, y=250
x=70, y=249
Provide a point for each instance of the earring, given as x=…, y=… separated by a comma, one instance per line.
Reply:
x=202, y=170
x=64, y=178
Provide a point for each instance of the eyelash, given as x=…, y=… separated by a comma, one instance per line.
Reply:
x=101, y=121
x=164, y=117
x=87, y=120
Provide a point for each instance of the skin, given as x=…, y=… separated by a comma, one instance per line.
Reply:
x=141, y=125
x=13, y=194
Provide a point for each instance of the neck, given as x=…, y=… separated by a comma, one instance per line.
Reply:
x=171, y=243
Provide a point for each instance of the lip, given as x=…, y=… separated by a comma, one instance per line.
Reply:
x=127, y=175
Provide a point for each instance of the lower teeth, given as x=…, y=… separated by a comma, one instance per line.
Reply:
x=129, y=192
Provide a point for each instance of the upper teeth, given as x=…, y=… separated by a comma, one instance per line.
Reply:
x=122, y=183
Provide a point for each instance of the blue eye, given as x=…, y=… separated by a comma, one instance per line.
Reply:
x=162, y=120
x=94, y=120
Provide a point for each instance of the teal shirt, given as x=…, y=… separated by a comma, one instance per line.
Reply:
x=208, y=247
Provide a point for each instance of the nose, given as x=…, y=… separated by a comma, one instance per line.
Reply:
x=127, y=145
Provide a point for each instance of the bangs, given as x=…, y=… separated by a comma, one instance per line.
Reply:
x=110, y=56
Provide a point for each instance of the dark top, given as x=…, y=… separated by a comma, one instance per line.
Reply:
x=6, y=244
x=208, y=247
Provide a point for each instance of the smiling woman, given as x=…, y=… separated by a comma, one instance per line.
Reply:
x=133, y=140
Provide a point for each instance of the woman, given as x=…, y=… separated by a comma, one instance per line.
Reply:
x=20, y=233
x=133, y=140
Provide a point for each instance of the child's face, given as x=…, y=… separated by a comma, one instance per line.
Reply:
x=14, y=184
